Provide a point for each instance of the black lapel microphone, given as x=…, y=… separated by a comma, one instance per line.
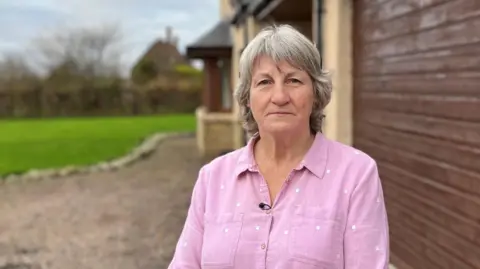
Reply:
x=264, y=206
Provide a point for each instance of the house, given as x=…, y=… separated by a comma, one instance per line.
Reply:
x=163, y=53
x=406, y=78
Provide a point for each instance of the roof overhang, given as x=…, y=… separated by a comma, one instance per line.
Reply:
x=243, y=9
x=256, y=6
x=282, y=10
x=238, y=15
x=216, y=42
x=264, y=9
x=212, y=52
x=278, y=9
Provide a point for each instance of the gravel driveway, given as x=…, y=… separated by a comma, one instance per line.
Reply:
x=130, y=218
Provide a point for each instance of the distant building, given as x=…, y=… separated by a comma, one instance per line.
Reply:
x=164, y=53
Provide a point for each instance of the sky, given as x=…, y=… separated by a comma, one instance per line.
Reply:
x=141, y=22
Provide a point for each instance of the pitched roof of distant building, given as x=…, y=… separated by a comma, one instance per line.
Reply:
x=164, y=52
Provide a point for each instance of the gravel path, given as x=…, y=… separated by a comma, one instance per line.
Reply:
x=130, y=218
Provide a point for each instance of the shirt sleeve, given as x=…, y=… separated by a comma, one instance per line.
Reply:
x=366, y=241
x=189, y=246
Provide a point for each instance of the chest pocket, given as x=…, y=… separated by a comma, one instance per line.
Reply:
x=315, y=238
x=220, y=240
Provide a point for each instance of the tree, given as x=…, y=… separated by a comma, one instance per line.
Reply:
x=144, y=71
x=15, y=73
x=14, y=67
x=94, y=52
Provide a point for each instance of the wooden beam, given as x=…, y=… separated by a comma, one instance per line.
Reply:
x=268, y=9
x=213, y=52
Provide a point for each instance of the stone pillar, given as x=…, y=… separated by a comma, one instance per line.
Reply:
x=338, y=58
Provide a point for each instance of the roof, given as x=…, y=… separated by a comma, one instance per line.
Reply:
x=164, y=54
x=246, y=2
x=245, y=7
x=240, y=9
x=242, y=2
x=217, y=37
x=255, y=5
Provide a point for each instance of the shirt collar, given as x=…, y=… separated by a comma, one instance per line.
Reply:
x=315, y=160
x=246, y=161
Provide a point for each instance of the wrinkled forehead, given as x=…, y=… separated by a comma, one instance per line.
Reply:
x=266, y=63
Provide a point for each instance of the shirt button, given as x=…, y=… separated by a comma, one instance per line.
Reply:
x=263, y=246
x=268, y=212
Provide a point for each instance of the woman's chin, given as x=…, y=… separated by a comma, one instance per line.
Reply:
x=281, y=128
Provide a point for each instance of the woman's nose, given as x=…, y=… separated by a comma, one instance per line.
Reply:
x=280, y=95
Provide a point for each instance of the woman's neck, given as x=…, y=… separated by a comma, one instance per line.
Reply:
x=284, y=149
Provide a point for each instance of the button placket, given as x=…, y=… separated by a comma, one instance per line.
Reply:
x=263, y=188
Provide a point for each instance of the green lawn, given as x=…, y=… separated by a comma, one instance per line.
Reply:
x=50, y=143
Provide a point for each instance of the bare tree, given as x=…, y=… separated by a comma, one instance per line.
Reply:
x=14, y=67
x=91, y=52
x=15, y=73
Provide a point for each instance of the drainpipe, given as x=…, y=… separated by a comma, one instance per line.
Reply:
x=319, y=42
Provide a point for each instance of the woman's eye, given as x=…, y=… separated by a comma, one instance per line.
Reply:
x=264, y=82
x=293, y=80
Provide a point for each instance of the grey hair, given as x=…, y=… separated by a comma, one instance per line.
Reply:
x=284, y=43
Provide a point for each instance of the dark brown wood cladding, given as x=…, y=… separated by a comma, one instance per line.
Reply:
x=417, y=113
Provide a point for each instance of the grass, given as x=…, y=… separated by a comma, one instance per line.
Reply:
x=53, y=143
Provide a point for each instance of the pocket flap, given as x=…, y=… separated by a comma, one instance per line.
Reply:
x=223, y=217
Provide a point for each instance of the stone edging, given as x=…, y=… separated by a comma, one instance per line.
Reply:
x=146, y=148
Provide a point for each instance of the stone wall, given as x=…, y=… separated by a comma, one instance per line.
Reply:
x=215, y=133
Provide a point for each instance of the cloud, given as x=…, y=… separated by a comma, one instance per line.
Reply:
x=141, y=21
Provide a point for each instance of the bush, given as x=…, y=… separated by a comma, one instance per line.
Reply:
x=144, y=71
x=188, y=70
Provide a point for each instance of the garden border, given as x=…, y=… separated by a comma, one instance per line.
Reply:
x=142, y=151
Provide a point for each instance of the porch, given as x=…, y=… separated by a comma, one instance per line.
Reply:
x=215, y=120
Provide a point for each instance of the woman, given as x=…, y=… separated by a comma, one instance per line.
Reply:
x=291, y=198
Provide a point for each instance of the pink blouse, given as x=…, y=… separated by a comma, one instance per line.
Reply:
x=329, y=214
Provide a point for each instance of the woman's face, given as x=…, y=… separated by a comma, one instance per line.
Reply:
x=281, y=97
